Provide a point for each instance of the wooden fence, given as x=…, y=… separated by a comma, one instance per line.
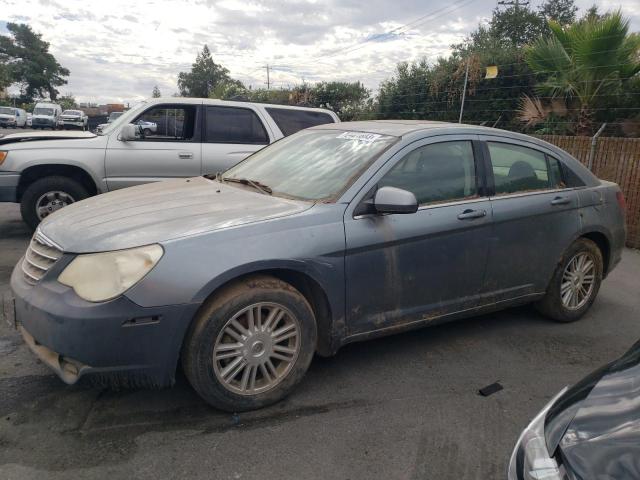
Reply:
x=617, y=160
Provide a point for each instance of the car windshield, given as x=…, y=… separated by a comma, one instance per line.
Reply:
x=71, y=112
x=6, y=111
x=43, y=111
x=312, y=164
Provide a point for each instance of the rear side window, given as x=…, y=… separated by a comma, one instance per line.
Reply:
x=234, y=125
x=290, y=121
x=439, y=172
x=521, y=169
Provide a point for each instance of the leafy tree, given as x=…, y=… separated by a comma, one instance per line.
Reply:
x=230, y=90
x=156, y=92
x=584, y=61
x=516, y=25
x=561, y=11
x=28, y=61
x=67, y=102
x=204, y=77
x=344, y=98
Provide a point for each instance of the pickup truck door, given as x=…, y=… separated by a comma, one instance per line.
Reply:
x=170, y=147
x=230, y=134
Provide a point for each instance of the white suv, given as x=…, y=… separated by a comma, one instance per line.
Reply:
x=156, y=140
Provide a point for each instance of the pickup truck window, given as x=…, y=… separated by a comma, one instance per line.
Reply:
x=167, y=123
x=234, y=125
x=290, y=121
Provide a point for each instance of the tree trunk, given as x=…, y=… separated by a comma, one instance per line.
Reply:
x=584, y=125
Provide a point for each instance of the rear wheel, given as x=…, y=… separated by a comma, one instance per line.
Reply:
x=250, y=345
x=575, y=283
x=45, y=196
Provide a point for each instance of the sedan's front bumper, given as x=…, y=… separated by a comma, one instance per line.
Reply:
x=75, y=337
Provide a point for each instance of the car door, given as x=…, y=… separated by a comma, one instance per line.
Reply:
x=230, y=135
x=535, y=217
x=173, y=150
x=414, y=267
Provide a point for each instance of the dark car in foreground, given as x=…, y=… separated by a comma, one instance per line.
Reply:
x=591, y=430
x=336, y=234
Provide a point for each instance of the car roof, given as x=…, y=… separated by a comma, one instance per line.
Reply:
x=401, y=128
x=231, y=103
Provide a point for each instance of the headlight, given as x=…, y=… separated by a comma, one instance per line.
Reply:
x=97, y=277
x=531, y=459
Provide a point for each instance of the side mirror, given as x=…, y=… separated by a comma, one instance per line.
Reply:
x=128, y=132
x=395, y=200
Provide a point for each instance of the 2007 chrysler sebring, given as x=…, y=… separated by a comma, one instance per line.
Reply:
x=335, y=234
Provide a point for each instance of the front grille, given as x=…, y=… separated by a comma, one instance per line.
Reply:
x=40, y=257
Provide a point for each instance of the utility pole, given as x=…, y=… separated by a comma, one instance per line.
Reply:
x=268, y=82
x=464, y=89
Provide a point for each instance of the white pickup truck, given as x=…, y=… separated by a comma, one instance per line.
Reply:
x=155, y=140
x=74, y=119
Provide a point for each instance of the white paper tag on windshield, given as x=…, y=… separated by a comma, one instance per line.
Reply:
x=359, y=136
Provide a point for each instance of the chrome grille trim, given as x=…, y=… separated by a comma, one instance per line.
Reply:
x=40, y=256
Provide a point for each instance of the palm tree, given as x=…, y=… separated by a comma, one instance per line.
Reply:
x=585, y=60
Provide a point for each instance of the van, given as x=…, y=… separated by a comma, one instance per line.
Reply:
x=45, y=115
x=13, y=117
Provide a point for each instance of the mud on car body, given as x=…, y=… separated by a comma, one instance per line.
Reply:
x=335, y=234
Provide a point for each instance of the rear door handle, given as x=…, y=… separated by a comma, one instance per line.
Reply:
x=560, y=201
x=185, y=155
x=471, y=214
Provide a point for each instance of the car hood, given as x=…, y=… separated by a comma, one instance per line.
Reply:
x=158, y=212
x=602, y=439
x=33, y=136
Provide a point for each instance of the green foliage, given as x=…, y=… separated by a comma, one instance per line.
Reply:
x=156, y=92
x=27, y=62
x=344, y=98
x=67, y=102
x=585, y=61
x=204, y=77
x=561, y=11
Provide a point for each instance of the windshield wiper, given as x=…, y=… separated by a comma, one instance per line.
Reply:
x=252, y=183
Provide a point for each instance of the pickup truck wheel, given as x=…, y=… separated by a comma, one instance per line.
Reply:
x=45, y=196
x=147, y=132
x=575, y=283
x=250, y=345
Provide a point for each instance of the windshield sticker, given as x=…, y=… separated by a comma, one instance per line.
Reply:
x=360, y=136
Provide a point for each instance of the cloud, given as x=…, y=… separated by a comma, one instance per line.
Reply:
x=118, y=50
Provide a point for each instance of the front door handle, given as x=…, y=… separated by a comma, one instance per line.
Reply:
x=471, y=214
x=185, y=155
x=561, y=201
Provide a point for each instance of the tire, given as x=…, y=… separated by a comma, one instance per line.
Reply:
x=552, y=304
x=209, y=328
x=33, y=193
x=146, y=132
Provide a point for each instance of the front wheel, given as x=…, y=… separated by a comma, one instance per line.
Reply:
x=45, y=196
x=250, y=345
x=575, y=283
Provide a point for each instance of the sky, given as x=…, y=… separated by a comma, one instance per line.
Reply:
x=118, y=50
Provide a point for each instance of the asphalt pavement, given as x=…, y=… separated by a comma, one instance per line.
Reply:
x=401, y=407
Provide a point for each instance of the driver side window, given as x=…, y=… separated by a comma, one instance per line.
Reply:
x=439, y=172
x=167, y=123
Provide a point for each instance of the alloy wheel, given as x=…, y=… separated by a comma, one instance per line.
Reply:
x=52, y=201
x=578, y=281
x=256, y=348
